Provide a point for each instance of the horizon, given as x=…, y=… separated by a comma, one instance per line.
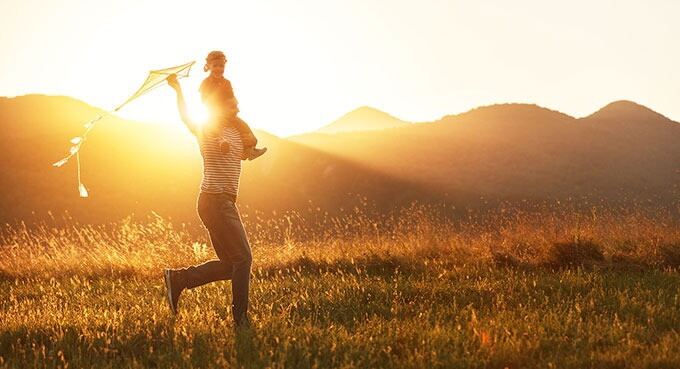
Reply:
x=178, y=124
x=450, y=58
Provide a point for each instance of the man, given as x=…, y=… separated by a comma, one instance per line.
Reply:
x=218, y=212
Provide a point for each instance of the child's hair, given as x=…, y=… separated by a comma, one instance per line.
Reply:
x=212, y=56
x=217, y=93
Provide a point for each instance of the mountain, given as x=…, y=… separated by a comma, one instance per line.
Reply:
x=515, y=151
x=627, y=110
x=501, y=152
x=136, y=167
x=363, y=119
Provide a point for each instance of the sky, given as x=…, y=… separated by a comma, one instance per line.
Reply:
x=298, y=65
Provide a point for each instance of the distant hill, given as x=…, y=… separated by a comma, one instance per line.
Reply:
x=514, y=151
x=363, y=119
x=627, y=110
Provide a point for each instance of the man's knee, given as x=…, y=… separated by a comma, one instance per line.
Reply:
x=226, y=267
x=248, y=258
x=245, y=258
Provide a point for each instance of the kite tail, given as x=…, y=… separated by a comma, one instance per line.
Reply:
x=81, y=187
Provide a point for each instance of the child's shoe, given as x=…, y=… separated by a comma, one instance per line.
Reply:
x=253, y=153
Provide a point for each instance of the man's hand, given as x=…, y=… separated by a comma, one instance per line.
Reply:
x=172, y=81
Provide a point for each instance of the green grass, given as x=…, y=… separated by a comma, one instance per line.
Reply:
x=427, y=295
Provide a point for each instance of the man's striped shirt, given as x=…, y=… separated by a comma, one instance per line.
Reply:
x=221, y=172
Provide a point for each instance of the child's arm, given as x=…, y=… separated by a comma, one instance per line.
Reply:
x=181, y=105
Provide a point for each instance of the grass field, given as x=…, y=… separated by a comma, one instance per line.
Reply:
x=547, y=287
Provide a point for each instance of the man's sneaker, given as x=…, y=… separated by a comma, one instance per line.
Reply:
x=255, y=153
x=174, y=285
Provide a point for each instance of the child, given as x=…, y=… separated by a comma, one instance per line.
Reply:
x=218, y=95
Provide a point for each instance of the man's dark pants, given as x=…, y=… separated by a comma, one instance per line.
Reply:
x=219, y=214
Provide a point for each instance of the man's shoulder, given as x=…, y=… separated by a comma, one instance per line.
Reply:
x=204, y=133
x=205, y=83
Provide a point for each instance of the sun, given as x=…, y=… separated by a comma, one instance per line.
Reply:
x=198, y=113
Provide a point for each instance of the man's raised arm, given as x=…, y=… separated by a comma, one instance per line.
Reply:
x=181, y=105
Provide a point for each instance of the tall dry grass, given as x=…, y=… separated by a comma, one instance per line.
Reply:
x=548, y=286
x=550, y=236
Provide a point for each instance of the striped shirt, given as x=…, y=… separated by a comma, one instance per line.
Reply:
x=221, y=172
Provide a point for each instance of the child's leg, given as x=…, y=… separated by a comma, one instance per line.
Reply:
x=249, y=140
x=247, y=135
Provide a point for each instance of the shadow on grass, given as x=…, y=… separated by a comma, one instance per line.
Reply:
x=370, y=265
x=247, y=349
x=587, y=254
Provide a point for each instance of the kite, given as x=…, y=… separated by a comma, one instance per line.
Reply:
x=154, y=80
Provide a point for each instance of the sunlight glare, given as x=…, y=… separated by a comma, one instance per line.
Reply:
x=198, y=113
